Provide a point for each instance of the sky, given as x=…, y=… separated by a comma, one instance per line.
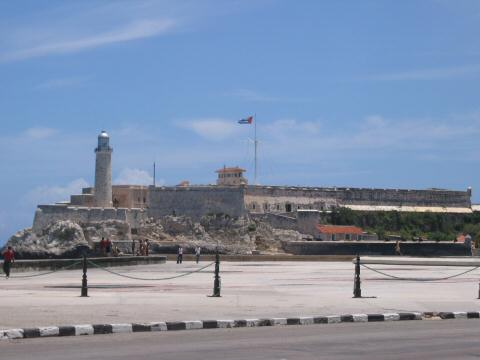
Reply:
x=371, y=93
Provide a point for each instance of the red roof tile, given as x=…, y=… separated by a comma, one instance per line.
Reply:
x=339, y=229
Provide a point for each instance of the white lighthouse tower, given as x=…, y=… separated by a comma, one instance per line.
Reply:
x=103, y=171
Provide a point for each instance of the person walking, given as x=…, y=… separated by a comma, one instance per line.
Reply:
x=147, y=247
x=108, y=247
x=398, y=251
x=133, y=247
x=103, y=246
x=8, y=259
x=198, y=249
x=179, y=254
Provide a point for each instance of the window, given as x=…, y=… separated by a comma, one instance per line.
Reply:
x=333, y=237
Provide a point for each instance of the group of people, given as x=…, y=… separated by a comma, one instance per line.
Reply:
x=143, y=248
x=198, y=250
x=106, y=247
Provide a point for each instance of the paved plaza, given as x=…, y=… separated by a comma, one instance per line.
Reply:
x=249, y=290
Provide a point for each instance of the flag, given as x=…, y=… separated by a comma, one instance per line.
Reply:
x=248, y=120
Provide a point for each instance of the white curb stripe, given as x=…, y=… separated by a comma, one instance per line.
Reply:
x=279, y=321
x=49, y=331
x=460, y=315
x=306, y=320
x=360, y=317
x=121, y=328
x=391, y=317
x=192, y=325
x=11, y=334
x=334, y=319
x=418, y=316
x=83, y=330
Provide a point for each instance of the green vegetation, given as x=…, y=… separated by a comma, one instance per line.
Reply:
x=428, y=225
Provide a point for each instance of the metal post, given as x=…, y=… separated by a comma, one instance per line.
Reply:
x=216, y=282
x=357, y=291
x=478, y=290
x=84, y=278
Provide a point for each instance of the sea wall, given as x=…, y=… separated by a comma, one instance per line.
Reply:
x=375, y=248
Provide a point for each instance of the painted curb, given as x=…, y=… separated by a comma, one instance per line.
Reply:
x=98, y=329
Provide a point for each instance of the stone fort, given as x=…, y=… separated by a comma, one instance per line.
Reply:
x=231, y=195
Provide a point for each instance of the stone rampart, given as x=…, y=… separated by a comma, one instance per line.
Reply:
x=289, y=199
x=196, y=201
x=48, y=214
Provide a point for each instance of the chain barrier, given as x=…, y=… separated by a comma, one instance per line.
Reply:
x=419, y=279
x=147, y=279
x=46, y=273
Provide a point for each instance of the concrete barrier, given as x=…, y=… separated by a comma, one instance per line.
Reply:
x=425, y=248
x=54, y=264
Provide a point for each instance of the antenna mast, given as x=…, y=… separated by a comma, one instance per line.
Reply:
x=255, y=143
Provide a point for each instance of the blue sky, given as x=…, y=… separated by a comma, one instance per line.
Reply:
x=348, y=93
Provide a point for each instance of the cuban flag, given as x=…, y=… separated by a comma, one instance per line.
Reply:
x=248, y=120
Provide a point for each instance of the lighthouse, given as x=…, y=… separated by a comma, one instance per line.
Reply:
x=103, y=171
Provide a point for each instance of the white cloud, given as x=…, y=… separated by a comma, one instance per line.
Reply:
x=428, y=74
x=56, y=193
x=212, y=129
x=38, y=133
x=132, y=31
x=130, y=176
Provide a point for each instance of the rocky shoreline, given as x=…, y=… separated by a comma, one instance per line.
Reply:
x=236, y=236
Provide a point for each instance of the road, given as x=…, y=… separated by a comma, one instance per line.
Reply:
x=435, y=339
x=249, y=290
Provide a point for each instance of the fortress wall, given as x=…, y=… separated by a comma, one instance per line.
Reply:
x=196, y=201
x=397, y=197
x=262, y=199
x=48, y=214
x=277, y=221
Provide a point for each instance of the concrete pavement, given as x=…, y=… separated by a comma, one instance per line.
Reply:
x=451, y=339
x=249, y=290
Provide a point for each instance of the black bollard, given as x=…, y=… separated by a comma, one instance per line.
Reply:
x=216, y=282
x=478, y=290
x=357, y=291
x=84, y=278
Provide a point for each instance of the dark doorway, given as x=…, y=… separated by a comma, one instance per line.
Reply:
x=288, y=207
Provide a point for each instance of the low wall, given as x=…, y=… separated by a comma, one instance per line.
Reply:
x=54, y=264
x=374, y=248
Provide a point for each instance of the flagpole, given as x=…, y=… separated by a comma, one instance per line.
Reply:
x=255, y=142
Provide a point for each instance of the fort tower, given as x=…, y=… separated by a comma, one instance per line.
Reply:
x=103, y=171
